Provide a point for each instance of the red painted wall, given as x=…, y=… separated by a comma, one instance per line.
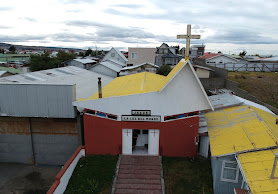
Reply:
x=104, y=136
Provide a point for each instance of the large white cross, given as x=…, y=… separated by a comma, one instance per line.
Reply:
x=188, y=36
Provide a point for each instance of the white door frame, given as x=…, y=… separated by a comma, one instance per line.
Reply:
x=153, y=142
x=127, y=141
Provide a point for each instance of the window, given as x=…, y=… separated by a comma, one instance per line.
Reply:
x=112, y=54
x=134, y=55
x=230, y=171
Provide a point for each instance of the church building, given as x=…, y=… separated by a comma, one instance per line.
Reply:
x=146, y=114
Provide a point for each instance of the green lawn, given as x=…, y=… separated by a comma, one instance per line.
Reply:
x=93, y=174
x=187, y=175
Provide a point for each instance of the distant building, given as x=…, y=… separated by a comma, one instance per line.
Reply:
x=202, y=72
x=216, y=58
x=115, y=55
x=137, y=56
x=166, y=55
x=108, y=67
x=7, y=71
x=81, y=63
x=144, y=67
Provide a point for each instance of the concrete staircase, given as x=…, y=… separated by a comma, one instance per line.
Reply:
x=139, y=174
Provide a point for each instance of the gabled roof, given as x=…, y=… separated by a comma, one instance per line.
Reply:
x=119, y=53
x=2, y=73
x=241, y=129
x=211, y=56
x=169, y=55
x=136, y=66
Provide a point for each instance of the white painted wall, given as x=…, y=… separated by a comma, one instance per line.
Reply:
x=202, y=73
x=66, y=177
x=142, y=139
x=153, y=148
x=104, y=70
x=219, y=59
x=113, y=54
x=183, y=94
x=204, y=146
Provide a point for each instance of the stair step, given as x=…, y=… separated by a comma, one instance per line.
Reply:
x=138, y=176
x=136, y=191
x=129, y=166
x=135, y=171
x=138, y=186
x=139, y=181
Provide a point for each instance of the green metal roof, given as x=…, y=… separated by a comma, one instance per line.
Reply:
x=11, y=70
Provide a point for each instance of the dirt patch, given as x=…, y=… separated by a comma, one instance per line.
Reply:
x=31, y=179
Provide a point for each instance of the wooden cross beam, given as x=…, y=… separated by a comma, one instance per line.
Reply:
x=188, y=36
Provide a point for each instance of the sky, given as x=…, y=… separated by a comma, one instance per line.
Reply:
x=224, y=25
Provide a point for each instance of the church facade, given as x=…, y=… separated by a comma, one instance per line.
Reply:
x=146, y=114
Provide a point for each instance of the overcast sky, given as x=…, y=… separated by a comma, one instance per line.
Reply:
x=229, y=26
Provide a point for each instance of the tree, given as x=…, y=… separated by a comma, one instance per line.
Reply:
x=164, y=70
x=88, y=52
x=12, y=49
x=43, y=62
x=243, y=53
x=62, y=56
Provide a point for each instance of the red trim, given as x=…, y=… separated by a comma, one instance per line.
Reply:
x=63, y=170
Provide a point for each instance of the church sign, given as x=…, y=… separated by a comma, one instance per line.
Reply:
x=141, y=118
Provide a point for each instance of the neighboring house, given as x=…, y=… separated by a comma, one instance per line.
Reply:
x=38, y=123
x=238, y=134
x=215, y=59
x=116, y=55
x=195, y=51
x=137, y=56
x=166, y=55
x=144, y=67
x=162, y=110
x=107, y=68
x=202, y=72
x=7, y=71
x=81, y=63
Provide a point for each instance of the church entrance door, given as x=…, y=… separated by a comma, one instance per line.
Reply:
x=127, y=141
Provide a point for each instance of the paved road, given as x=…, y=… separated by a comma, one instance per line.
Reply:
x=26, y=179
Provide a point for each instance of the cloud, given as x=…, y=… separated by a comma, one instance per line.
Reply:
x=78, y=1
x=22, y=38
x=129, y=6
x=239, y=36
x=29, y=19
x=5, y=27
x=5, y=8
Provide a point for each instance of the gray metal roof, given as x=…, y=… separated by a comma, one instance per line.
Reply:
x=224, y=100
x=110, y=66
x=85, y=61
x=133, y=67
x=116, y=62
x=85, y=81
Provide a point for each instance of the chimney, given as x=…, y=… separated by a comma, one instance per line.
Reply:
x=274, y=166
x=99, y=88
x=276, y=121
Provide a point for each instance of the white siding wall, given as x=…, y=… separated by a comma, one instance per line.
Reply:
x=202, y=73
x=219, y=59
x=113, y=54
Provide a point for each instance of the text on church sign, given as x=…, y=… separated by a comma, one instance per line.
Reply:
x=141, y=118
x=141, y=112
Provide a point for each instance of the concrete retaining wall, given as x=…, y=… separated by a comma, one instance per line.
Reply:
x=37, y=140
x=212, y=83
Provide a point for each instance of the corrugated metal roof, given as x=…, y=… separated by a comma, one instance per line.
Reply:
x=133, y=67
x=111, y=66
x=116, y=62
x=240, y=128
x=86, y=81
x=85, y=61
x=224, y=100
x=257, y=167
x=137, y=83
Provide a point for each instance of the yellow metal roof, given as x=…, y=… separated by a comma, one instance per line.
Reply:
x=239, y=129
x=257, y=167
x=136, y=83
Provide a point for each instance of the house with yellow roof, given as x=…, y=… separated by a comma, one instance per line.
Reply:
x=146, y=113
x=243, y=142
